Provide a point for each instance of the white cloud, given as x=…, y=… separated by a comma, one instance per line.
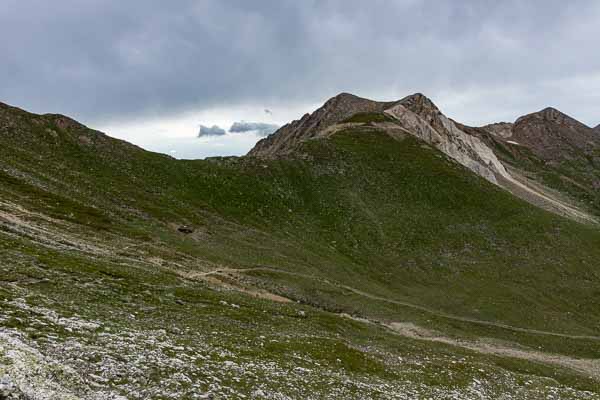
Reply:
x=177, y=135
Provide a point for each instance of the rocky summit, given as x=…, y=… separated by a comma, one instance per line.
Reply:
x=369, y=250
x=334, y=111
x=553, y=136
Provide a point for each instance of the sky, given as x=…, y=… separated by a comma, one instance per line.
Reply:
x=152, y=71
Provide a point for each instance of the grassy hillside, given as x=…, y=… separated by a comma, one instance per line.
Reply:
x=381, y=229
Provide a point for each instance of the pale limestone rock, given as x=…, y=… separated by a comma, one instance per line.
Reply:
x=467, y=150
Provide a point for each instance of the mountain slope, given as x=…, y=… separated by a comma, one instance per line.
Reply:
x=418, y=116
x=415, y=114
x=442, y=272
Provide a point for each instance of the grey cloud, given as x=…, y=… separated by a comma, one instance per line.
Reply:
x=482, y=60
x=211, y=131
x=261, y=128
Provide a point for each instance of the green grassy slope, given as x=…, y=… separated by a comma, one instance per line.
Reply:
x=420, y=238
x=396, y=215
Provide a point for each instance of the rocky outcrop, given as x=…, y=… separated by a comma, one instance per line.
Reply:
x=500, y=129
x=420, y=117
x=597, y=129
x=335, y=110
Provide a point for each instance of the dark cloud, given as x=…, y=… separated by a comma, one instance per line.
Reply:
x=211, y=131
x=482, y=60
x=261, y=128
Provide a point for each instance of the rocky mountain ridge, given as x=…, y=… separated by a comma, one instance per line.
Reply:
x=335, y=110
x=553, y=135
x=549, y=134
x=500, y=129
x=416, y=114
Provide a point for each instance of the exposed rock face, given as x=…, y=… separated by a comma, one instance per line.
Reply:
x=335, y=110
x=553, y=136
x=501, y=129
x=419, y=116
x=597, y=129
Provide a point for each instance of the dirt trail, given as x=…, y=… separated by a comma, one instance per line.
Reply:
x=438, y=313
x=210, y=278
x=589, y=367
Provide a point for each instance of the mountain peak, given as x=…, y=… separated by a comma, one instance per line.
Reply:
x=553, y=135
x=550, y=110
x=418, y=98
x=343, y=96
x=422, y=106
x=552, y=113
x=549, y=114
x=345, y=103
x=335, y=110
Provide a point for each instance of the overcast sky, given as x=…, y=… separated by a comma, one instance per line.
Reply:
x=152, y=71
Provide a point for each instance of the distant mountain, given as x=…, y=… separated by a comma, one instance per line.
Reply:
x=550, y=134
x=554, y=136
x=553, y=149
x=597, y=129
